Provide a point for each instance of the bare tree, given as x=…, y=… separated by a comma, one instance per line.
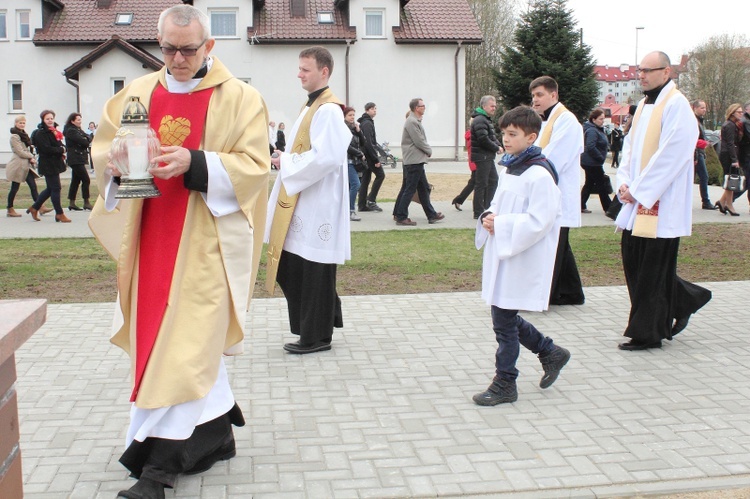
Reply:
x=718, y=73
x=497, y=22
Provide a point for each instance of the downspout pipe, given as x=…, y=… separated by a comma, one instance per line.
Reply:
x=458, y=97
x=348, y=46
x=78, y=93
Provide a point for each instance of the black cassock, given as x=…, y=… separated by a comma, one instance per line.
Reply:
x=658, y=296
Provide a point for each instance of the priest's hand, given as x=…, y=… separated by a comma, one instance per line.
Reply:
x=624, y=194
x=177, y=161
x=111, y=169
x=488, y=222
x=276, y=158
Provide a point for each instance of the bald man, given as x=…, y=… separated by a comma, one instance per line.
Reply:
x=655, y=183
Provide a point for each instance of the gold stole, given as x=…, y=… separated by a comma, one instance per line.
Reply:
x=282, y=216
x=646, y=220
x=547, y=133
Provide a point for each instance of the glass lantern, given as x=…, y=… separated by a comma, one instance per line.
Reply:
x=132, y=150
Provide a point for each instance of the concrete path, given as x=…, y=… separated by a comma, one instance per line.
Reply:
x=388, y=412
x=25, y=227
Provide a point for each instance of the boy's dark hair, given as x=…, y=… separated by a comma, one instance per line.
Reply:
x=549, y=84
x=369, y=106
x=323, y=58
x=522, y=117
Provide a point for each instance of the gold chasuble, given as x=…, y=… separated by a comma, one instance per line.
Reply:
x=216, y=258
x=547, y=132
x=646, y=220
x=282, y=216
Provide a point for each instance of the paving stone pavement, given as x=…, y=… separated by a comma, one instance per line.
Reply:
x=388, y=412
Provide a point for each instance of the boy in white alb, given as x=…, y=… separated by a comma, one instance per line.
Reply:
x=519, y=233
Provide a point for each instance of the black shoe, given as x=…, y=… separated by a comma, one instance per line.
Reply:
x=363, y=208
x=501, y=391
x=373, y=207
x=679, y=325
x=633, y=345
x=708, y=206
x=552, y=363
x=145, y=488
x=300, y=349
x=73, y=207
x=226, y=451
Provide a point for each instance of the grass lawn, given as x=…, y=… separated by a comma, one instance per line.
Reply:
x=390, y=262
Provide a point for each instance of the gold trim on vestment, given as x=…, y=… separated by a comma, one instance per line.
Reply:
x=647, y=219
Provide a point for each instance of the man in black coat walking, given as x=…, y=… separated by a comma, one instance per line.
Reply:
x=367, y=125
x=484, y=147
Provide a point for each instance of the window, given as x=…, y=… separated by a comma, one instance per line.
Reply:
x=24, y=25
x=124, y=19
x=325, y=17
x=374, y=23
x=223, y=23
x=3, y=27
x=117, y=85
x=16, y=96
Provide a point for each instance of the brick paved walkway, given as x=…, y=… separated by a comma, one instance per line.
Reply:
x=388, y=412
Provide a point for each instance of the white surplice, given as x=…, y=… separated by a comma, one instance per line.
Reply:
x=319, y=231
x=564, y=151
x=668, y=177
x=519, y=258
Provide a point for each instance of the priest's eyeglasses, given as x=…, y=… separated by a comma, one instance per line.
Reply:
x=185, y=51
x=640, y=70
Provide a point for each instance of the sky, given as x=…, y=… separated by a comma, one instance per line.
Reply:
x=672, y=26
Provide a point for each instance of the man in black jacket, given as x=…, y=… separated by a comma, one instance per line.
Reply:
x=484, y=147
x=367, y=125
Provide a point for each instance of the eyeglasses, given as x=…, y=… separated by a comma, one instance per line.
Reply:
x=185, y=51
x=421, y=105
x=648, y=70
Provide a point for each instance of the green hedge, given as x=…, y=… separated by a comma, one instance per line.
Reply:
x=715, y=173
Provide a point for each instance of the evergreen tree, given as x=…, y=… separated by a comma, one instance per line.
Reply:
x=547, y=43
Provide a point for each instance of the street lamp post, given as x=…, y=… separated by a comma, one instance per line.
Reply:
x=637, y=28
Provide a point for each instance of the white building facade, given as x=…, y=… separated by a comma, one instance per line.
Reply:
x=381, y=54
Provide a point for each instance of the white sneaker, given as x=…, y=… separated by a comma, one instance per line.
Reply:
x=353, y=216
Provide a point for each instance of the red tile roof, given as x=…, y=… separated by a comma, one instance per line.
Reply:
x=422, y=21
x=115, y=42
x=81, y=21
x=274, y=24
x=437, y=21
x=613, y=73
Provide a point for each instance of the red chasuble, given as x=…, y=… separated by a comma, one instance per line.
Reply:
x=178, y=120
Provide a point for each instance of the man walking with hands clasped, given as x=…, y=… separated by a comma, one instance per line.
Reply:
x=656, y=188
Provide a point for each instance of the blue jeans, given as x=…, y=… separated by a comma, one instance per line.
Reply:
x=702, y=172
x=353, y=185
x=511, y=331
x=415, y=180
x=51, y=192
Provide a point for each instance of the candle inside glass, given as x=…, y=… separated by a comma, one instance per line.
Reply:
x=138, y=159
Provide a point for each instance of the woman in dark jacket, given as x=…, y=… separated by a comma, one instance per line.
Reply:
x=354, y=156
x=731, y=135
x=48, y=143
x=77, y=141
x=593, y=157
x=280, y=138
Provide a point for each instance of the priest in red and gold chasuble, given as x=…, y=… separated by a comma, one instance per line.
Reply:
x=194, y=316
